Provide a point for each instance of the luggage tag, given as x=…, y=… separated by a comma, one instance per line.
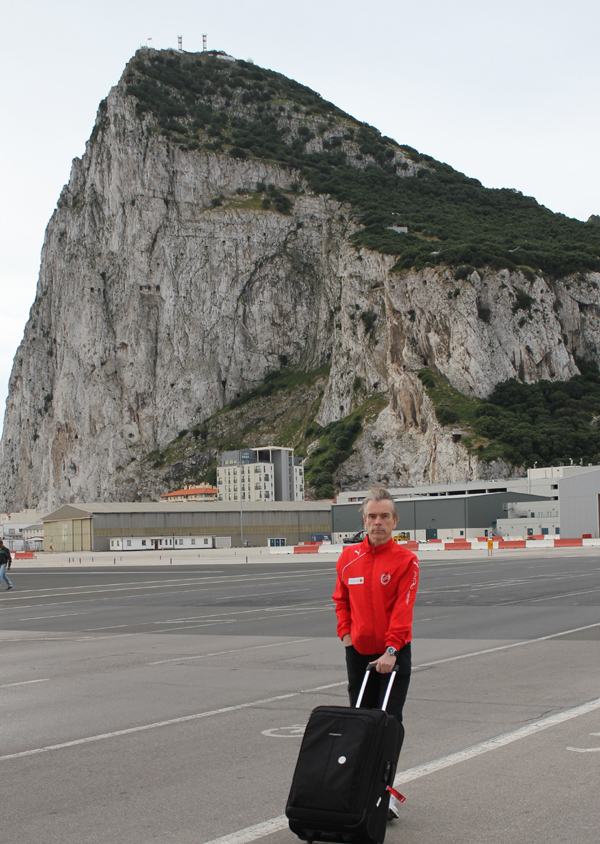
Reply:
x=400, y=797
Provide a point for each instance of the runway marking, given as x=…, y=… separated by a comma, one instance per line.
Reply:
x=586, y=749
x=565, y=595
x=216, y=622
x=40, y=617
x=223, y=613
x=253, y=833
x=37, y=594
x=506, y=647
x=494, y=743
x=24, y=683
x=261, y=830
x=258, y=594
x=499, y=584
x=168, y=723
x=237, y=707
x=79, y=637
x=232, y=651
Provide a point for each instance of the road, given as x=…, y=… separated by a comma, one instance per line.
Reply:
x=165, y=703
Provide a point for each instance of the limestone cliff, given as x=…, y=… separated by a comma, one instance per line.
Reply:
x=168, y=287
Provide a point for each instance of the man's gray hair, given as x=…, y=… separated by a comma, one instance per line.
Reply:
x=378, y=493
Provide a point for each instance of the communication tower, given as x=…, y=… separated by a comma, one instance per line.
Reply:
x=203, y=43
x=180, y=43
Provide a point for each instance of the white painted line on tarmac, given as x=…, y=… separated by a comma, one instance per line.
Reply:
x=586, y=749
x=40, y=617
x=170, y=722
x=223, y=613
x=565, y=595
x=506, y=647
x=232, y=651
x=257, y=594
x=101, y=588
x=261, y=830
x=131, y=730
x=24, y=683
x=253, y=833
x=493, y=744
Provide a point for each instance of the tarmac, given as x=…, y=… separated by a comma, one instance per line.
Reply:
x=427, y=553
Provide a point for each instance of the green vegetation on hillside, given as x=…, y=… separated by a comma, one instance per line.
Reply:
x=546, y=423
x=279, y=411
x=335, y=445
x=204, y=102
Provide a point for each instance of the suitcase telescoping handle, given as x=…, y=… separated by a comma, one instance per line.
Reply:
x=371, y=667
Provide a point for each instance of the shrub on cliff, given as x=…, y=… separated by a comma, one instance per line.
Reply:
x=452, y=219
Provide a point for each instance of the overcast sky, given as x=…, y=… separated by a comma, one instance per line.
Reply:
x=506, y=92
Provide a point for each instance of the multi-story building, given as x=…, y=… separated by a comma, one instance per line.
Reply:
x=260, y=474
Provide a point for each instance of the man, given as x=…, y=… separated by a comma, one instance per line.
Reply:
x=5, y=564
x=374, y=595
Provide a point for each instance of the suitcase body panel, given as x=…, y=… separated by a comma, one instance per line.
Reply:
x=346, y=762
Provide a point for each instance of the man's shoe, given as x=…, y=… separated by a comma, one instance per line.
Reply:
x=393, y=809
x=8, y=588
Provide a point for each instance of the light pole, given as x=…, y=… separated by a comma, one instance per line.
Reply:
x=241, y=518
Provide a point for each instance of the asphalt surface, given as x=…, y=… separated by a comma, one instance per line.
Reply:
x=165, y=703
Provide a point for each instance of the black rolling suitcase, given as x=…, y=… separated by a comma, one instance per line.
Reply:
x=347, y=761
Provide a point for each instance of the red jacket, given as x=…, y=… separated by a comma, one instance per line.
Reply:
x=375, y=595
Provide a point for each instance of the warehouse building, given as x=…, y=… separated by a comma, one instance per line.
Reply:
x=580, y=505
x=91, y=527
x=454, y=517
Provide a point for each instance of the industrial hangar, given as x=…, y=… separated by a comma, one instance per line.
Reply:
x=91, y=527
x=435, y=511
x=424, y=517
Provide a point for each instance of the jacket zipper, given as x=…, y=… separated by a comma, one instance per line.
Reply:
x=373, y=628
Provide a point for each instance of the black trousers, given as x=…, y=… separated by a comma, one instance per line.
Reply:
x=356, y=665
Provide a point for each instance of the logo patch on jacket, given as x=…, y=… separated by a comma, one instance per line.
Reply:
x=385, y=579
x=353, y=581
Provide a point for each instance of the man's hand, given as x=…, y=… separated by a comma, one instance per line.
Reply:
x=347, y=640
x=385, y=664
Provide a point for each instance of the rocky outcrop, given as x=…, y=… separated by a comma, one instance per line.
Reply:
x=166, y=290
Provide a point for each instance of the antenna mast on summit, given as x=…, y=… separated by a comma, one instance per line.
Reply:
x=203, y=43
x=180, y=43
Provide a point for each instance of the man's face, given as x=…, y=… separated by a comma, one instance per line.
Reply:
x=380, y=521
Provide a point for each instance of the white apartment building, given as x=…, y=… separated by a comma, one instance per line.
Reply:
x=246, y=481
x=260, y=474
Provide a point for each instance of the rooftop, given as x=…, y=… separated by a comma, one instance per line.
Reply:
x=86, y=510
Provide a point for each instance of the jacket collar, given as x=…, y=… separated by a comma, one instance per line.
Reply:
x=377, y=549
